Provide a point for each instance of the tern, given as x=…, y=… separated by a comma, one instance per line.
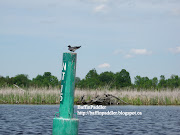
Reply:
x=72, y=49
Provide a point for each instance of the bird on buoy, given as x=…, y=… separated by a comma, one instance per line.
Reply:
x=72, y=49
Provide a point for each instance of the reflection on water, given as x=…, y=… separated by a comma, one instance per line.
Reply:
x=38, y=119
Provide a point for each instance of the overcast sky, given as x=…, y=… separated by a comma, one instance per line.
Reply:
x=141, y=36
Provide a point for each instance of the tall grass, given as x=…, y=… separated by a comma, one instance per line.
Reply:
x=30, y=96
x=136, y=97
x=52, y=96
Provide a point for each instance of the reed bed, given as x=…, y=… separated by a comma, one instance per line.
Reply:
x=30, y=96
x=136, y=97
x=52, y=96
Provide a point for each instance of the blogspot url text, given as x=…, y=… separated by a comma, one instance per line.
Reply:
x=102, y=113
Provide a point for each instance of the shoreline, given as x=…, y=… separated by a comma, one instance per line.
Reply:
x=83, y=97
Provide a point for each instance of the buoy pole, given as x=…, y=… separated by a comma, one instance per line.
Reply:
x=65, y=124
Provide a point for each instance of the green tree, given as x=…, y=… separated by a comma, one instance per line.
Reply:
x=91, y=80
x=77, y=81
x=82, y=84
x=21, y=80
x=3, y=82
x=137, y=81
x=162, y=82
x=122, y=79
x=155, y=82
x=38, y=81
x=143, y=82
x=92, y=74
x=107, y=79
x=47, y=80
x=147, y=83
x=173, y=82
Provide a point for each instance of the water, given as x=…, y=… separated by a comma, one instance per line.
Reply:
x=38, y=119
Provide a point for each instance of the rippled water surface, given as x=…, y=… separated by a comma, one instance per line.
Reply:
x=38, y=119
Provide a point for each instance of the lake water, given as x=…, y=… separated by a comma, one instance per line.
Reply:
x=38, y=119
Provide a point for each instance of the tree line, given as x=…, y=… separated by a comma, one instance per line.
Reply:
x=93, y=80
x=122, y=79
x=46, y=80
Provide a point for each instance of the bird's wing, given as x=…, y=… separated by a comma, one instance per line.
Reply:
x=77, y=47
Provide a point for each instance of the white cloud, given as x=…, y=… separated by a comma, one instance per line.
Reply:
x=132, y=53
x=128, y=56
x=175, y=50
x=140, y=51
x=100, y=8
x=104, y=65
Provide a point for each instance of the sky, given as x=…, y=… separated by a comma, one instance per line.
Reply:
x=141, y=36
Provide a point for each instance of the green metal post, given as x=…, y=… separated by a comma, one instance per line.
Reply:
x=65, y=124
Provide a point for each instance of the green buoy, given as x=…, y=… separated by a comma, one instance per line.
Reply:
x=65, y=124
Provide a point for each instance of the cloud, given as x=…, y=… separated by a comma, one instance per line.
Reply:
x=132, y=53
x=104, y=65
x=175, y=50
x=128, y=56
x=140, y=52
x=100, y=8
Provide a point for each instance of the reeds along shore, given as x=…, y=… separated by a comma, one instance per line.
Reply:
x=52, y=96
